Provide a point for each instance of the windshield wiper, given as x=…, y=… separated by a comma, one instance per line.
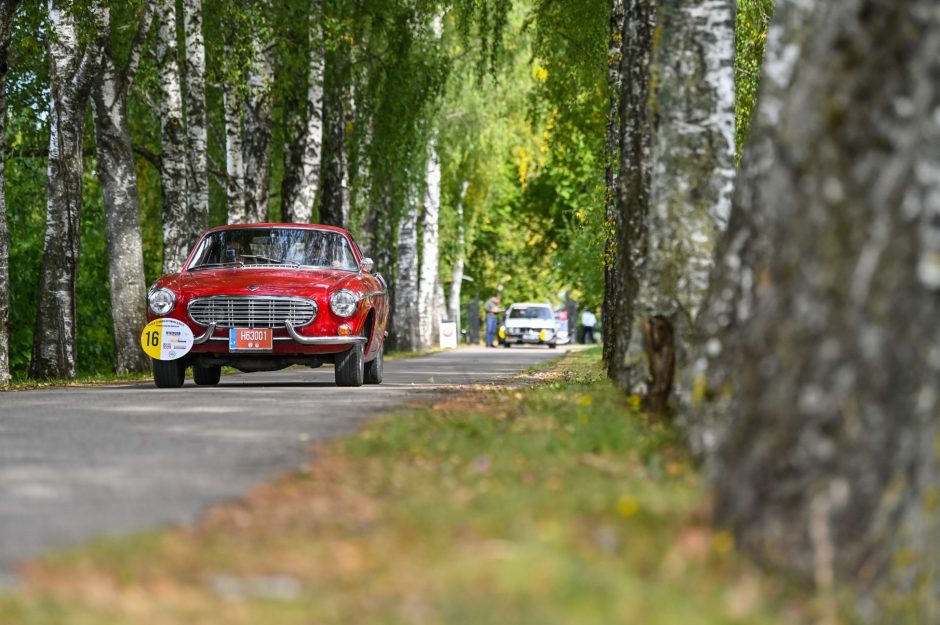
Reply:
x=270, y=260
x=237, y=263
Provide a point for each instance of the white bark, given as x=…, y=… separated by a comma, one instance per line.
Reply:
x=234, y=163
x=7, y=11
x=197, y=177
x=256, y=125
x=428, y=320
x=118, y=176
x=693, y=152
x=405, y=319
x=176, y=227
x=692, y=164
x=71, y=72
x=453, y=308
x=300, y=207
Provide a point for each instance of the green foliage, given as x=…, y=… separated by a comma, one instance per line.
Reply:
x=753, y=19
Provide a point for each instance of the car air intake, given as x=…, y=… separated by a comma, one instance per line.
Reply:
x=247, y=311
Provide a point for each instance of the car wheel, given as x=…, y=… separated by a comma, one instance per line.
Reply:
x=552, y=345
x=375, y=368
x=507, y=345
x=207, y=376
x=168, y=373
x=349, y=368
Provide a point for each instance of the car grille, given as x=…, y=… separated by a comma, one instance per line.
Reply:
x=252, y=311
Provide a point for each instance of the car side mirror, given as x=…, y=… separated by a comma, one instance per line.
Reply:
x=367, y=265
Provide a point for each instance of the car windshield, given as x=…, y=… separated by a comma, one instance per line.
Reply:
x=288, y=247
x=530, y=312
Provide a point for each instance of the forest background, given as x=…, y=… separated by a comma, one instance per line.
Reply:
x=508, y=100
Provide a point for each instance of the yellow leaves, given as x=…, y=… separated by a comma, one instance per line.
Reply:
x=723, y=542
x=627, y=506
x=634, y=401
x=522, y=164
x=539, y=73
x=585, y=400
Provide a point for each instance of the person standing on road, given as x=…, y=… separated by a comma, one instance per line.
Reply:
x=492, y=308
x=588, y=321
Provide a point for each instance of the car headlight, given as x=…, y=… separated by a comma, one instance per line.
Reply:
x=343, y=303
x=161, y=301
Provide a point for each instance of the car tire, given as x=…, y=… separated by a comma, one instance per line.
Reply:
x=375, y=368
x=349, y=368
x=207, y=376
x=168, y=373
x=507, y=345
x=552, y=345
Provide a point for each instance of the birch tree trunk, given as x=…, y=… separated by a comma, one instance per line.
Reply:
x=453, y=308
x=118, y=175
x=173, y=170
x=334, y=204
x=611, y=313
x=405, y=329
x=633, y=186
x=300, y=192
x=197, y=177
x=428, y=320
x=234, y=163
x=693, y=164
x=71, y=71
x=821, y=325
x=256, y=125
x=7, y=11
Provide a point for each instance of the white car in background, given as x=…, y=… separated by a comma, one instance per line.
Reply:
x=530, y=323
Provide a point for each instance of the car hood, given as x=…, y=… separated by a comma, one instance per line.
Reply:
x=268, y=281
x=531, y=323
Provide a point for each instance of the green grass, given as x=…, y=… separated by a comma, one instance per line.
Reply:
x=82, y=380
x=558, y=502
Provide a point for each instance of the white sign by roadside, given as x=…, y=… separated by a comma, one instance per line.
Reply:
x=448, y=335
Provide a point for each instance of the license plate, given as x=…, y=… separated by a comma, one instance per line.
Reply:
x=250, y=339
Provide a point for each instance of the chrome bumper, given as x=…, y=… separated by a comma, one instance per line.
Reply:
x=323, y=340
x=294, y=335
x=205, y=336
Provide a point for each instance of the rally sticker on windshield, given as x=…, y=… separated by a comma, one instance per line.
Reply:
x=166, y=339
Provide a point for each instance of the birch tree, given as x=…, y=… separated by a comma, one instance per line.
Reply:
x=197, y=177
x=819, y=396
x=118, y=175
x=428, y=319
x=334, y=204
x=173, y=169
x=692, y=161
x=611, y=313
x=234, y=156
x=256, y=126
x=405, y=327
x=302, y=164
x=7, y=12
x=73, y=66
x=453, y=307
x=633, y=187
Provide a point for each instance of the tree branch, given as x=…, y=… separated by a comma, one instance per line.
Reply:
x=140, y=38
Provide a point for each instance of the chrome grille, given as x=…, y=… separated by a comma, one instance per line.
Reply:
x=247, y=311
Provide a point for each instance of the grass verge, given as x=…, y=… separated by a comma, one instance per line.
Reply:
x=556, y=502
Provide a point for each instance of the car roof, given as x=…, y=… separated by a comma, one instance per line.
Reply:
x=279, y=225
x=530, y=304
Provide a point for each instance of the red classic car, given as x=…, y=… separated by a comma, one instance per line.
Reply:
x=263, y=297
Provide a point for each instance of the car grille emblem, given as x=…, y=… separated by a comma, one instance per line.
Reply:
x=254, y=287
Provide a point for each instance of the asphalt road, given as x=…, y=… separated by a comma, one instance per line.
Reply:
x=76, y=463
